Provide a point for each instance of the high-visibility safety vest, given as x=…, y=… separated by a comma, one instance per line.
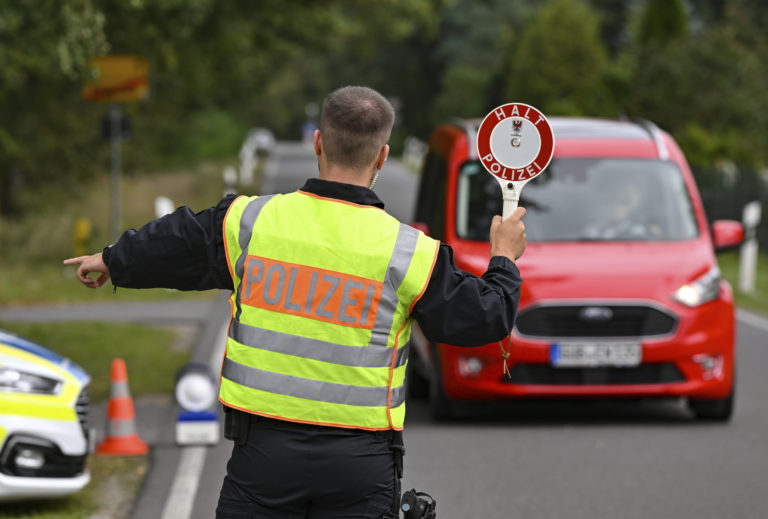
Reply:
x=323, y=291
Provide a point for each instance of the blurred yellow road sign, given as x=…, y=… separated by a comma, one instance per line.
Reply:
x=118, y=78
x=82, y=234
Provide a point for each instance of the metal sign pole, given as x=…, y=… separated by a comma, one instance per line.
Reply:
x=116, y=79
x=115, y=138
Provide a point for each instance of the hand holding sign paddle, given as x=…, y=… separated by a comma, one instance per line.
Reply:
x=515, y=143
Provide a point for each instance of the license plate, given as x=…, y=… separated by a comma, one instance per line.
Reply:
x=591, y=354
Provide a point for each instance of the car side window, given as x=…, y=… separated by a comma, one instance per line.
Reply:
x=430, y=207
x=478, y=199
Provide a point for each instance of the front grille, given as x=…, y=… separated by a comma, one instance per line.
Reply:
x=543, y=374
x=595, y=320
x=81, y=408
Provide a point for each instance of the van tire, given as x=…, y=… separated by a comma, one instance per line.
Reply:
x=440, y=404
x=712, y=410
x=417, y=386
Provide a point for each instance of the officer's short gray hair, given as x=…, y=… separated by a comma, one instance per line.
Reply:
x=355, y=123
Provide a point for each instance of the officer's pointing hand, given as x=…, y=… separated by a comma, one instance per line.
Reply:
x=508, y=236
x=88, y=265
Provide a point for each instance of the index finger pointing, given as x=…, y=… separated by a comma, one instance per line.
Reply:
x=74, y=261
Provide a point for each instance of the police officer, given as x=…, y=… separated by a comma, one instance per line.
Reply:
x=325, y=286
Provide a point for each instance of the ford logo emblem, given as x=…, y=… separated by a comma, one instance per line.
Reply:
x=599, y=314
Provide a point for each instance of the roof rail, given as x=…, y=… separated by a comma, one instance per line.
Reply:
x=655, y=133
x=471, y=132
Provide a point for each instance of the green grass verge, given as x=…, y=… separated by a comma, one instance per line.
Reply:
x=39, y=282
x=114, y=484
x=33, y=246
x=756, y=301
x=152, y=355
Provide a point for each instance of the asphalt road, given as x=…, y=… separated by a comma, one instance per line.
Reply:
x=601, y=460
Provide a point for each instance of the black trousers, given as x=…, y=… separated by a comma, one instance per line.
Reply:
x=287, y=470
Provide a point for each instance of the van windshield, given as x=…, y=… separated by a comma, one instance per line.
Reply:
x=585, y=200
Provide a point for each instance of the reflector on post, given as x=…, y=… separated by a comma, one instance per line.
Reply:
x=196, y=393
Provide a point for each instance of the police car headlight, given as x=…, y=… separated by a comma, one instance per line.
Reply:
x=18, y=381
x=701, y=290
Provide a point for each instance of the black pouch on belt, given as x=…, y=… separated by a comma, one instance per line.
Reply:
x=236, y=425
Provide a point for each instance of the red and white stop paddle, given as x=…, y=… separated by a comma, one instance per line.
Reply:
x=515, y=143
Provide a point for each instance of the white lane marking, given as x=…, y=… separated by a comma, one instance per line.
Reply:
x=182, y=494
x=181, y=498
x=217, y=352
x=752, y=319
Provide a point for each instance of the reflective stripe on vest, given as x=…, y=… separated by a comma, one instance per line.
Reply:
x=310, y=389
x=250, y=214
x=356, y=374
x=314, y=349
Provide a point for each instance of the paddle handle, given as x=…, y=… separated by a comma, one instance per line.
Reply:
x=511, y=194
x=509, y=208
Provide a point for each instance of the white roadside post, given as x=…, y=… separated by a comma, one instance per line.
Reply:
x=514, y=143
x=229, y=177
x=414, y=152
x=247, y=160
x=163, y=206
x=196, y=391
x=748, y=256
x=258, y=143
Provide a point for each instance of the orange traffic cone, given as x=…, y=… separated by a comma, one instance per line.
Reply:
x=121, y=439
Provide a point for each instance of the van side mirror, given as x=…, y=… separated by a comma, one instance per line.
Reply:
x=421, y=226
x=727, y=234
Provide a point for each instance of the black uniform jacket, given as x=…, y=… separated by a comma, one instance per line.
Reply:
x=185, y=251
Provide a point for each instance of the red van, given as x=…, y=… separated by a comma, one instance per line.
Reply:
x=621, y=294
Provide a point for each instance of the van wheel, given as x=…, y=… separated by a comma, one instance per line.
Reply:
x=441, y=405
x=713, y=410
x=417, y=386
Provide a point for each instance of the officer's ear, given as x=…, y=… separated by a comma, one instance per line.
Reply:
x=318, y=142
x=383, y=154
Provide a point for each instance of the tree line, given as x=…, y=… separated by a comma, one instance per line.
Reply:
x=698, y=68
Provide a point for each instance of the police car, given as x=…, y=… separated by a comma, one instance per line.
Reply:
x=44, y=433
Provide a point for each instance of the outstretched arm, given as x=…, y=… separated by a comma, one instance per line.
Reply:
x=88, y=265
x=181, y=250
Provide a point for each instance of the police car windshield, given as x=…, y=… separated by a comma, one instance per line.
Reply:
x=585, y=200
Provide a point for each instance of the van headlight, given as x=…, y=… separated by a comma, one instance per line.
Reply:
x=18, y=381
x=700, y=290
